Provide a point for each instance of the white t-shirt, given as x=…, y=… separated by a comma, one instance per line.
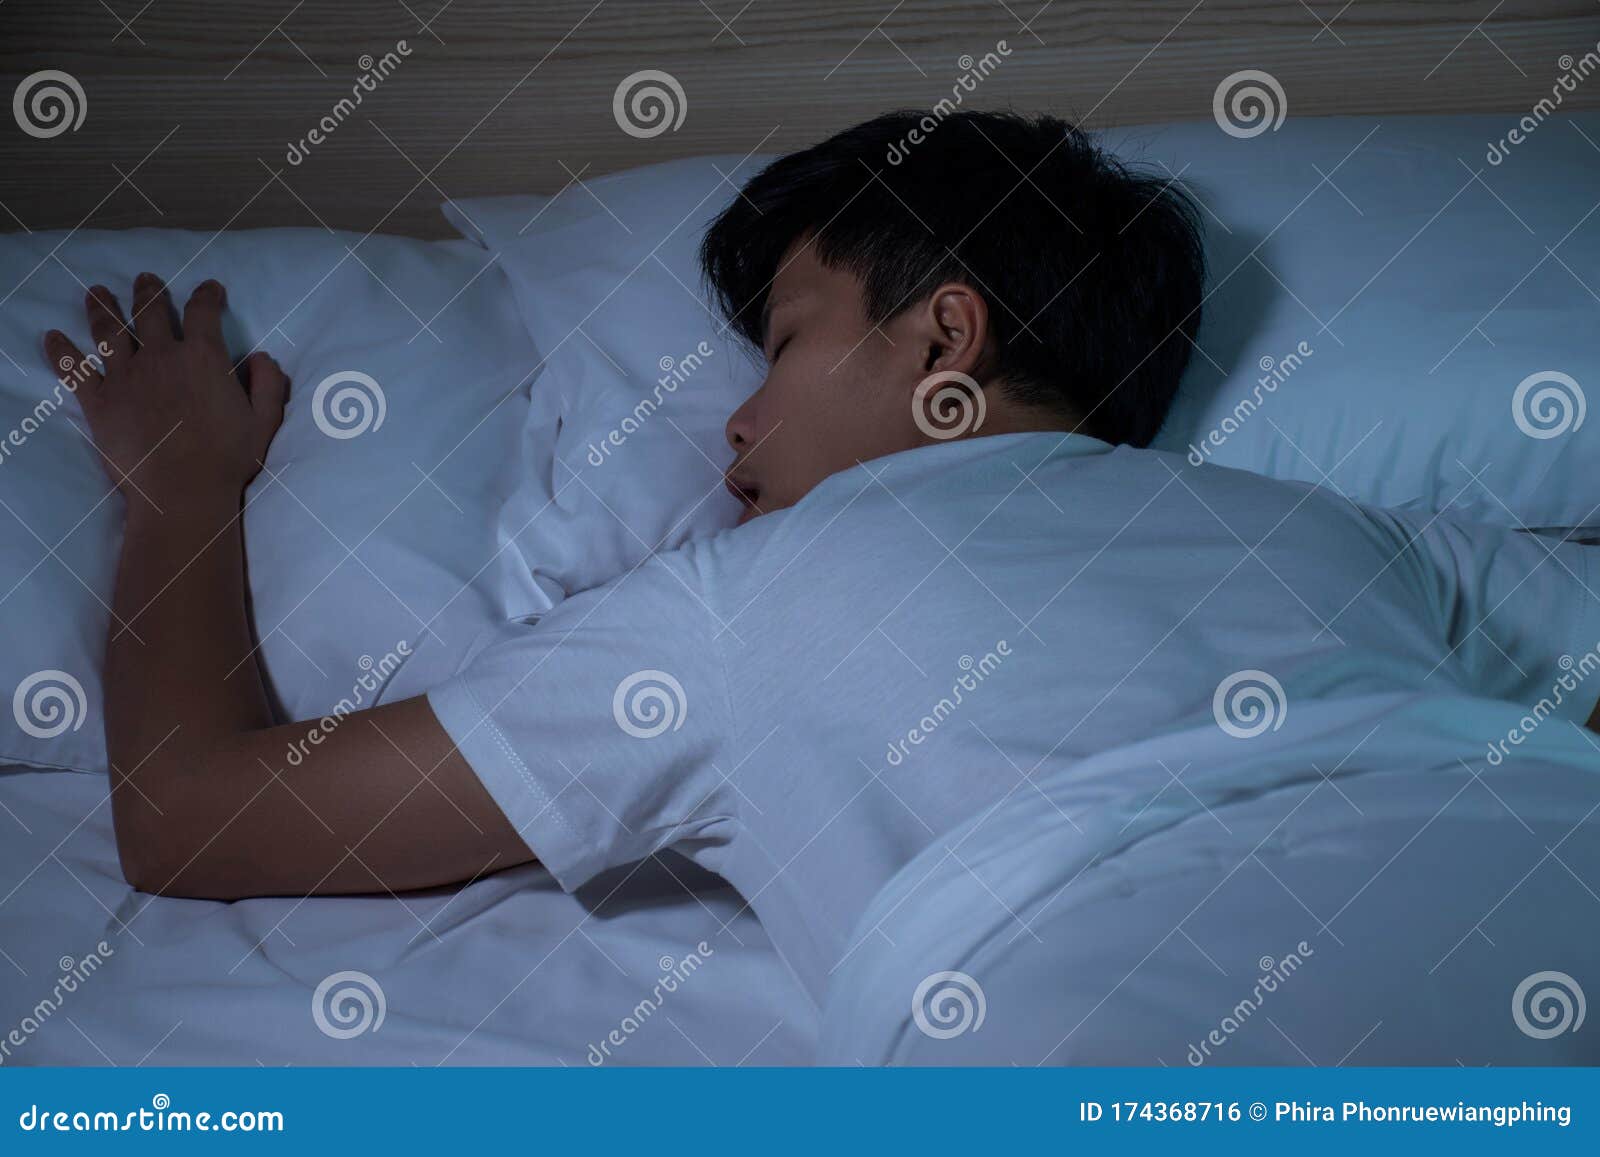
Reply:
x=803, y=703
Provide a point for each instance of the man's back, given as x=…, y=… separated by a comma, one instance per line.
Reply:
x=807, y=702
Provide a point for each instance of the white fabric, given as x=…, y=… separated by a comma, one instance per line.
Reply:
x=1360, y=887
x=508, y=970
x=1439, y=297
x=801, y=704
x=1437, y=291
x=642, y=371
x=360, y=546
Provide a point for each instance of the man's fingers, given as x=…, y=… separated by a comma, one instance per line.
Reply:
x=152, y=311
x=68, y=364
x=269, y=390
x=106, y=326
x=202, y=316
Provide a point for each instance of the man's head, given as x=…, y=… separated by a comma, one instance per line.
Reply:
x=998, y=256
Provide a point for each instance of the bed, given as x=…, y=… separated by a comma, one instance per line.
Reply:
x=369, y=563
x=510, y=971
x=430, y=492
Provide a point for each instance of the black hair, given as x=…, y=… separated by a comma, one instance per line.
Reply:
x=1093, y=272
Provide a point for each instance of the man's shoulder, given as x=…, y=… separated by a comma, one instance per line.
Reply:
x=895, y=507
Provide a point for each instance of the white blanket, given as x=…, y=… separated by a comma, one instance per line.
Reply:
x=1363, y=886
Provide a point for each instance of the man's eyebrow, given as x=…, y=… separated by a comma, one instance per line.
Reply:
x=768, y=308
x=766, y=321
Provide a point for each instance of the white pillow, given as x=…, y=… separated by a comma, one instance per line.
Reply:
x=639, y=366
x=366, y=553
x=1444, y=301
x=1429, y=265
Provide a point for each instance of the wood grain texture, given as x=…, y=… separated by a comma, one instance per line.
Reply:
x=192, y=106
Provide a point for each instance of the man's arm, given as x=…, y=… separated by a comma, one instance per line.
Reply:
x=204, y=798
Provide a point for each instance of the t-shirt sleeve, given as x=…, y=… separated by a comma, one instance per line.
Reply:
x=1521, y=611
x=599, y=729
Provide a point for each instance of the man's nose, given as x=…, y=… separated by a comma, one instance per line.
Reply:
x=740, y=430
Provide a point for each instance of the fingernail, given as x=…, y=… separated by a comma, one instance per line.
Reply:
x=53, y=335
x=147, y=281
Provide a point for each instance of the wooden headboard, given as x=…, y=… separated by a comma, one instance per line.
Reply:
x=194, y=111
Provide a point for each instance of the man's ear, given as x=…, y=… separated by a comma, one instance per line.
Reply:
x=950, y=332
x=955, y=329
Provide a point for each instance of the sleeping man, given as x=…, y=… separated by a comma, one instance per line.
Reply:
x=958, y=568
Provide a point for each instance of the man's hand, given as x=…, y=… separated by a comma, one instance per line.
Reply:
x=204, y=799
x=171, y=419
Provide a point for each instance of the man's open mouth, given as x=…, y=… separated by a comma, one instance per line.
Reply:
x=746, y=493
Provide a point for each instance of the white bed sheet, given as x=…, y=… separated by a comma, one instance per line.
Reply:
x=507, y=970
